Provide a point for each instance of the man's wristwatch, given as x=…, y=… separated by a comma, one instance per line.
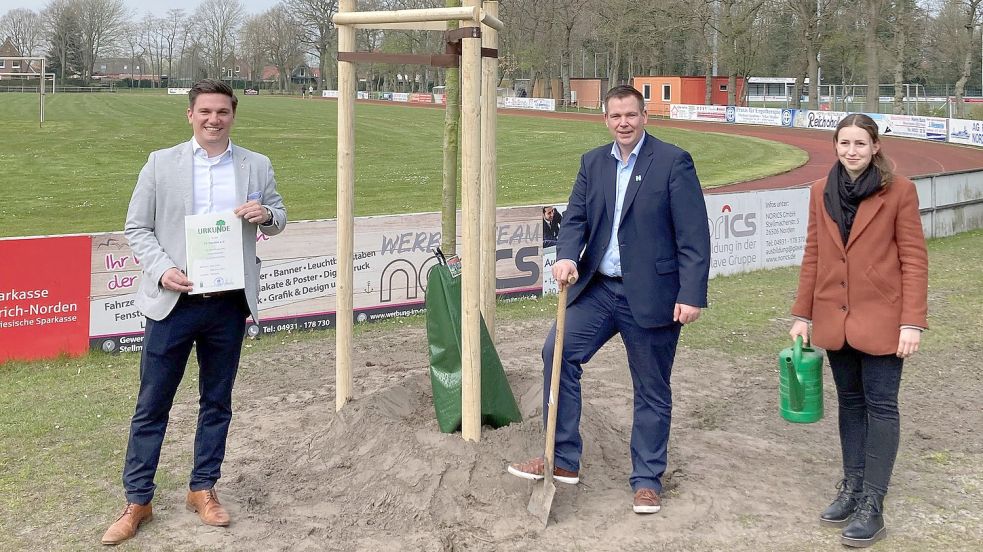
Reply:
x=272, y=219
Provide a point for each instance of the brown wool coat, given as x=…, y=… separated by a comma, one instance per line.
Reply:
x=864, y=292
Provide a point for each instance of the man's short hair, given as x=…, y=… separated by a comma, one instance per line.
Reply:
x=211, y=86
x=624, y=91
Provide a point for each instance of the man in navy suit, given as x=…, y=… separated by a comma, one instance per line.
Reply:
x=635, y=236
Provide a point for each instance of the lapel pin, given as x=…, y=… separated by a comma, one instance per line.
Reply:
x=638, y=178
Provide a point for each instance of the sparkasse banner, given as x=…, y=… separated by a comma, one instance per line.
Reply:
x=44, y=297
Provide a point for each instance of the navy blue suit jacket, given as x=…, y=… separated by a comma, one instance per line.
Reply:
x=663, y=236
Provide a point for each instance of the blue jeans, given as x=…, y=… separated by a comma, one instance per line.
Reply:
x=870, y=428
x=600, y=312
x=215, y=326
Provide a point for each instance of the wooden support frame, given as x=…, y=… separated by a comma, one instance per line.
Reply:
x=420, y=19
x=344, y=320
x=471, y=217
x=489, y=172
x=478, y=137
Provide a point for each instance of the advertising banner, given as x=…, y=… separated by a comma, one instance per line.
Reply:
x=540, y=104
x=788, y=117
x=44, y=297
x=963, y=131
x=420, y=98
x=689, y=112
x=178, y=91
x=329, y=93
x=748, y=231
x=400, y=97
x=680, y=111
x=115, y=276
x=826, y=120
x=755, y=230
x=758, y=116
x=392, y=257
x=716, y=113
x=923, y=128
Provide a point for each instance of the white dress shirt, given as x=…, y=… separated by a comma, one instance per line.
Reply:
x=214, y=180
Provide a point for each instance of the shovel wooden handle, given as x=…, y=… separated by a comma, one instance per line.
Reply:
x=561, y=314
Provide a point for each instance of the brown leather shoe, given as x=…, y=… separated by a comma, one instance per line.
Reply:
x=534, y=468
x=646, y=501
x=126, y=525
x=209, y=509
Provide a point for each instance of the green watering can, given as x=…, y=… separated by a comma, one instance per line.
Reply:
x=800, y=389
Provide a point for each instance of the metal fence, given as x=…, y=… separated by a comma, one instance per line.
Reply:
x=950, y=203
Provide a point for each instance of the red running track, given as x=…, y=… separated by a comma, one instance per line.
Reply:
x=911, y=157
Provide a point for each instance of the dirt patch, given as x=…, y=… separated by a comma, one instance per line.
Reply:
x=379, y=476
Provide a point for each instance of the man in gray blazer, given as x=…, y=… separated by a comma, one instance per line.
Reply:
x=207, y=174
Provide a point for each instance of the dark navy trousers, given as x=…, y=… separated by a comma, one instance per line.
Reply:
x=215, y=326
x=870, y=425
x=600, y=312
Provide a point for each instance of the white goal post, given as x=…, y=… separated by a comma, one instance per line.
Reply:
x=41, y=75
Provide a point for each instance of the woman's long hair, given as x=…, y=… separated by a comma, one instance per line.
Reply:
x=864, y=122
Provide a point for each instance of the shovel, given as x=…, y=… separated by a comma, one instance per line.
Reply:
x=542, y=497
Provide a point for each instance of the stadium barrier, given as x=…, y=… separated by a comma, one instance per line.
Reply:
x=935, y=129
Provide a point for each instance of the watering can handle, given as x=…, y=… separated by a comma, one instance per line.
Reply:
x=794, y=385
x=797, y=351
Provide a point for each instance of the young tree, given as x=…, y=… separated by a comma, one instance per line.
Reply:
x=452, y=126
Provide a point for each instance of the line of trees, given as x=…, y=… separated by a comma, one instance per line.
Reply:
x=928, y=42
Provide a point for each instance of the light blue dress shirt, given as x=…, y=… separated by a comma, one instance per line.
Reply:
x=611, y=261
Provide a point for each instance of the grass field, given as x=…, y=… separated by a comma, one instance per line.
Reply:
x=77, y=172
x=64, y=424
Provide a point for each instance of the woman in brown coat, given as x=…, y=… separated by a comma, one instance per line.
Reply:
x=863, y=287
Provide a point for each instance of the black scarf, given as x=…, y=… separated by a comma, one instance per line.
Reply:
x=842, y=195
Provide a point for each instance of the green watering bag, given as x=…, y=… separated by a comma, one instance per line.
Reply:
x=498, y=406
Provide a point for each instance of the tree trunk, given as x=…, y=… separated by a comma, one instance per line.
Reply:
x=873, y=70
x=963, y=78
x=614, y=77
x=708, y=85
x=968, y=42
x=900, y=41
x=322, y=66
x=566, y=68
x=812, y=66
x=452, y=122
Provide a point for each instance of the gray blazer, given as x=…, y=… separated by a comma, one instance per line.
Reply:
x=155, y=220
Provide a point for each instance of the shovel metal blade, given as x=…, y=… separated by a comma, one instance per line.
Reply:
x=542, y=500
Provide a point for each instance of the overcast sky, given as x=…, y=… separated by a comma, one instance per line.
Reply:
x=142, y=6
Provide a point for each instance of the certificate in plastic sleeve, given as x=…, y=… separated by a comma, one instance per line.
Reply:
x=214, y=247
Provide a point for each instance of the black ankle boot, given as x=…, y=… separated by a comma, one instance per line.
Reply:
x=838, y=513
x=867, y=525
